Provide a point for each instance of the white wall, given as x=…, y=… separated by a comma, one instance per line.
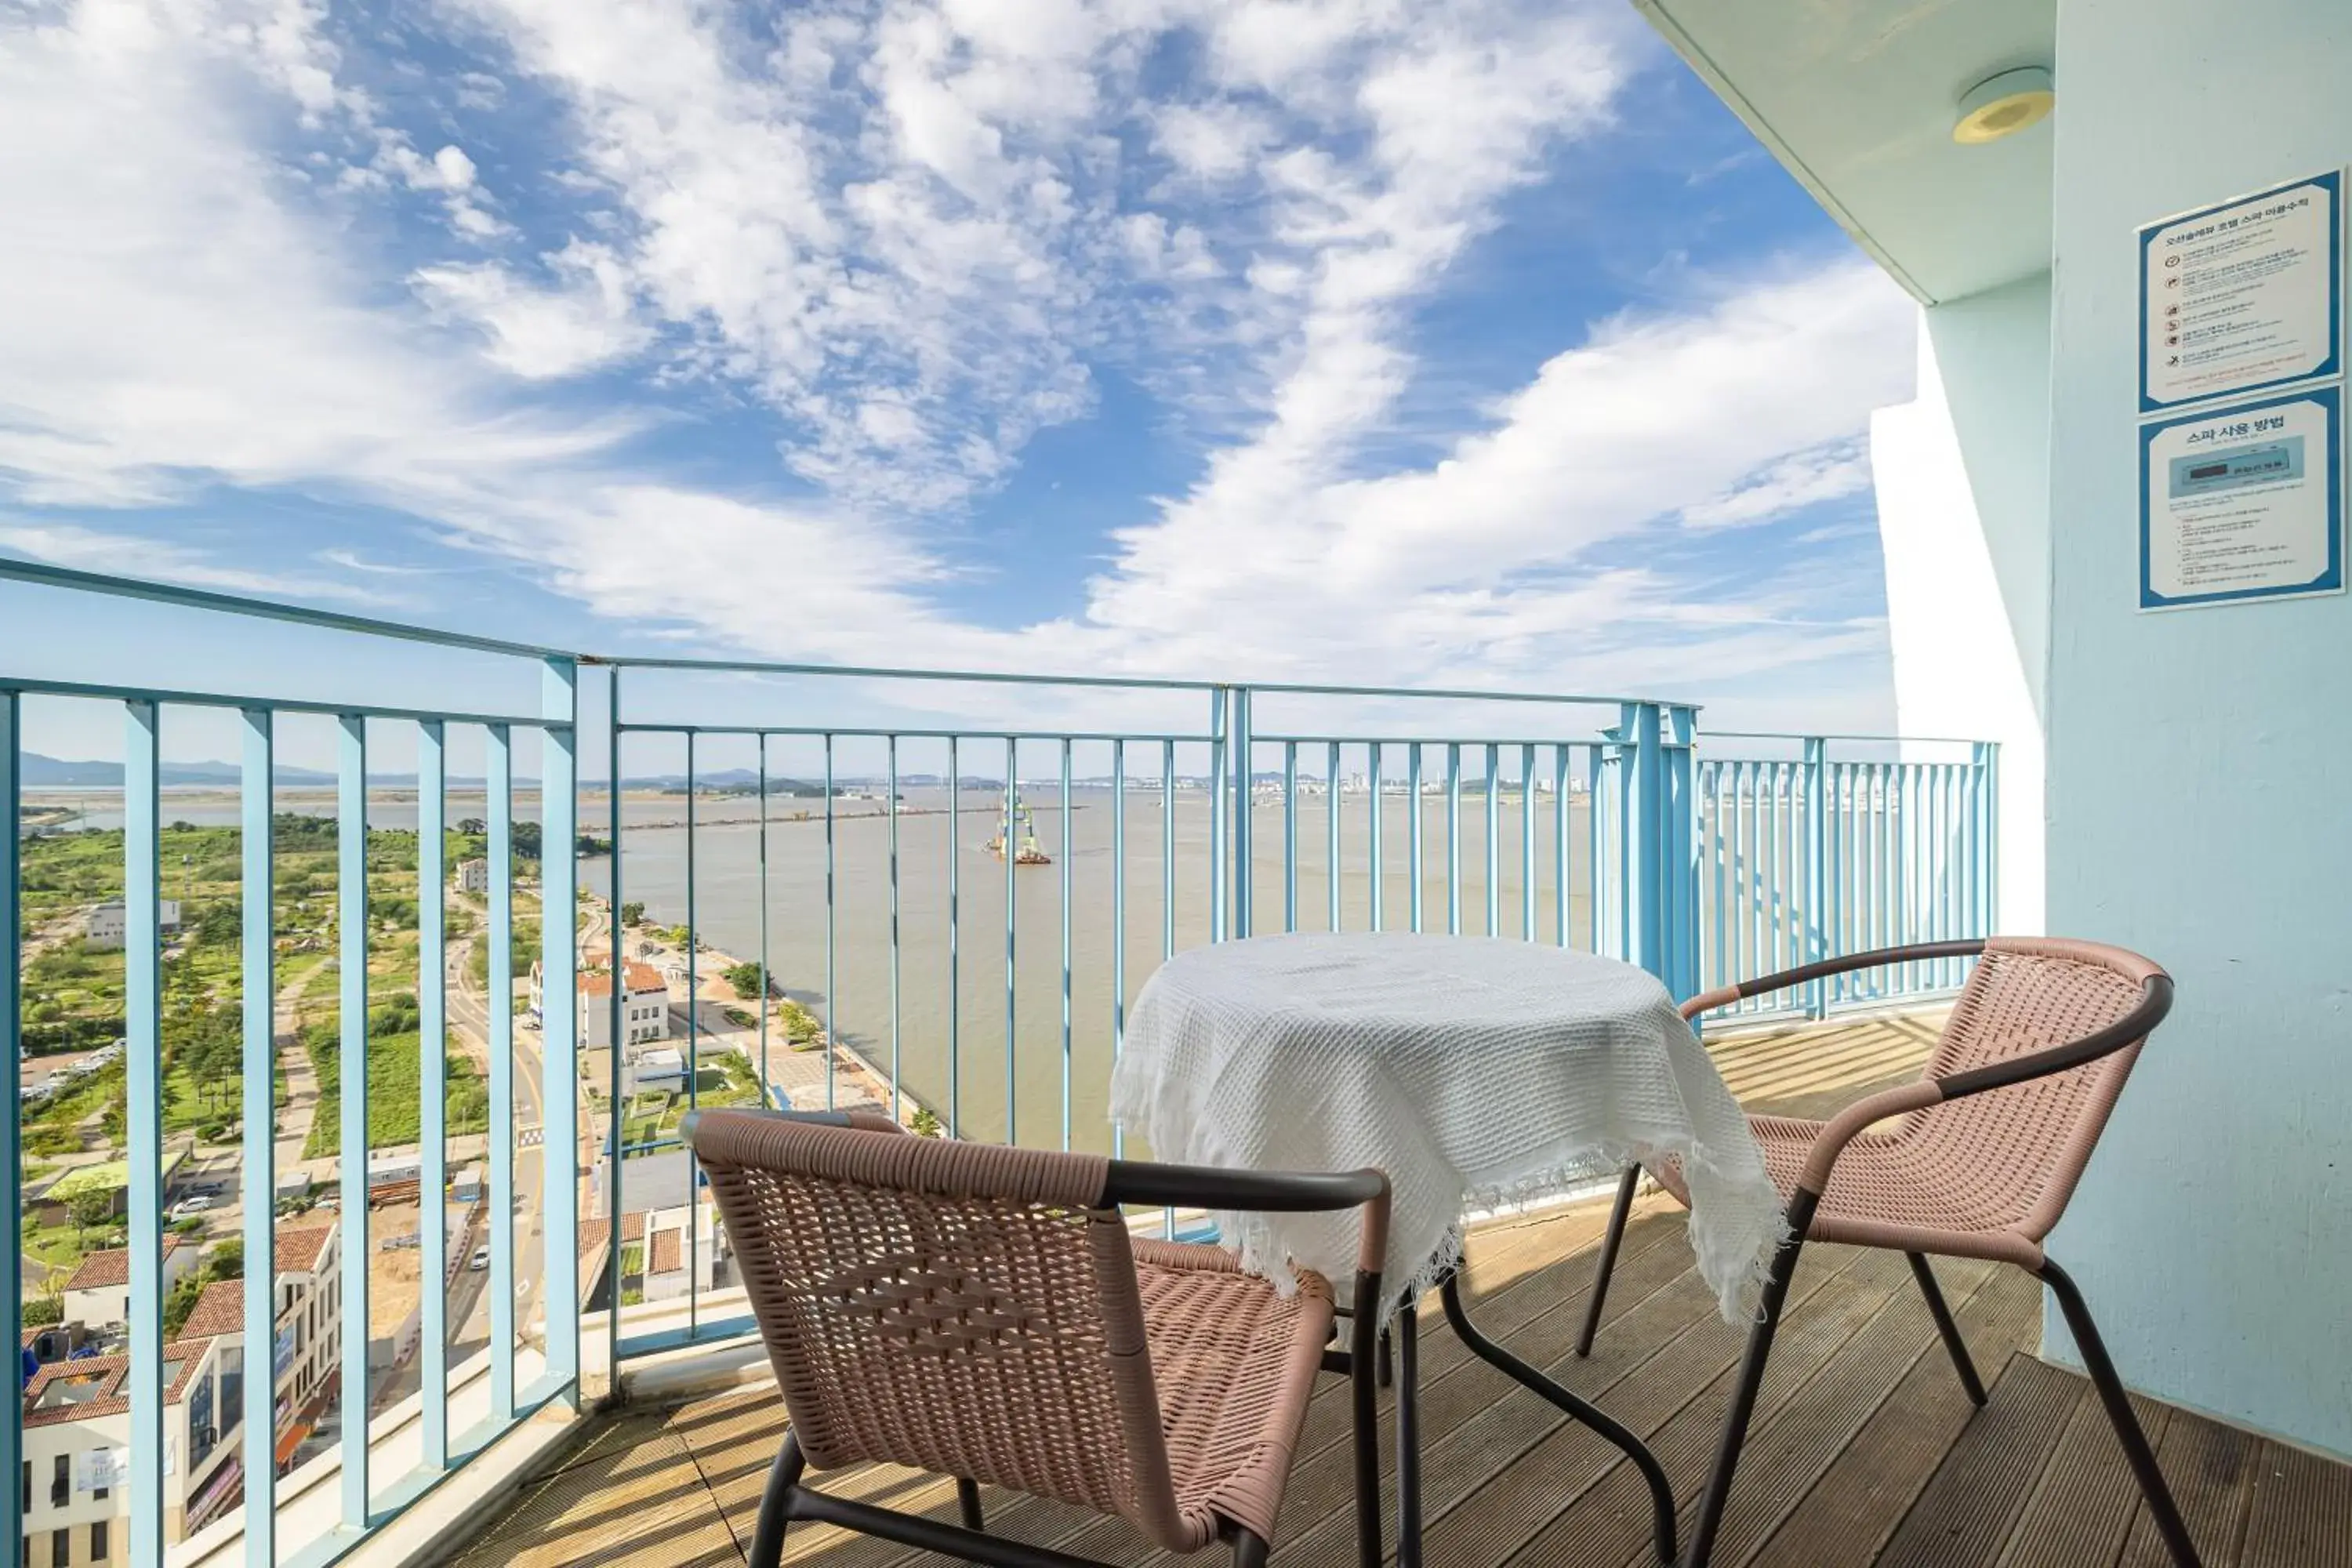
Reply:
x=1962, y=480
x=2200, y=761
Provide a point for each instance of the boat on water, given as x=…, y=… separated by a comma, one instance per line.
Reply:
x=1017, y=838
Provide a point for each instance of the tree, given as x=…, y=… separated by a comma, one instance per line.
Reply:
x=633, y=913
x=227, y=1259
x=42, y=1311
x=745, y=978
x=925, y=1124
x=90, y=1209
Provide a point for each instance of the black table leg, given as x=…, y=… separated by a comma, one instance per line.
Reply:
x=1662, y=1494
x=1408, y=1397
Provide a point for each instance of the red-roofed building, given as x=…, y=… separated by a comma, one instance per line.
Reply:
x=77, y=1413
x=645, y=1008
x=99, y=1294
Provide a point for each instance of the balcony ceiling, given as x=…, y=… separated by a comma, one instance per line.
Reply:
x=1857, y=97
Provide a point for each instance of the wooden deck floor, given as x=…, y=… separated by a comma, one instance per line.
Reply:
x=1864, y=1449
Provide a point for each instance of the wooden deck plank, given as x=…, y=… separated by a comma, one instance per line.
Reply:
x=2082, y=1507
x=2301, y=1515
x=1963, y=1516
x=1787, y=1453
x=1864, y=1450
x=1611, y=1519
x=2210, y=1468
x=1850, y=1511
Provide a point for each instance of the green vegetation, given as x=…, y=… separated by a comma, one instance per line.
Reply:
x=633, y=913
x=745, y=979
x=393, y=1076
x=227, y=1262
x=924, y=1125
x=43, y=1311
x=727, y=1079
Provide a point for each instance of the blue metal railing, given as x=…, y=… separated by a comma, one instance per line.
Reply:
x=1811, y=846
x=1605, y=823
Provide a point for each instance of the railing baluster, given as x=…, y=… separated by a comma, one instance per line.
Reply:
x=1118, y=921
x=142, y=1004
x=955, y=939
x=1331, y=824
x=12, y=1144
x=559, y=1021
x=832, y=946
x=693, y=1199
x=1067, y=1036
x=432, y=1084
x=1413, y=828
x=1012, y=920
x=1372, y=773
x=1527, y=843
x=1220, y=823
x=890, y=748
x=1167, y=897
x=1454, y=839
x=1493, y=848
x=498, y=978
x=767, y=1078
x=1290, y=836
x=1560, y=879
x=1244, y=821
x=352, y=887
x=617, y=1019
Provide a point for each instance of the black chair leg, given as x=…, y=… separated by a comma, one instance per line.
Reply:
x=1408, y=1429
x=1617, y=1217
x=968, y=1506
x=1364, y=1408
x=1751, y=1379
x=1953, y=1343
x=775, y=1504
x=2142, y=1458
x=1249, y=1550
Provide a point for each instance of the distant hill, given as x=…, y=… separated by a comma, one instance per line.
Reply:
x=54, y=772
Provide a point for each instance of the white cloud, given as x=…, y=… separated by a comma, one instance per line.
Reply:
x=908, y=230
x=583, y=319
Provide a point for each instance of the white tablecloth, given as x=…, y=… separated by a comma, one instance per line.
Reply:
x=1475, y=1071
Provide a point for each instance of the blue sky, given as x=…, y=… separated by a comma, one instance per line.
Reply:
x=1469, y=343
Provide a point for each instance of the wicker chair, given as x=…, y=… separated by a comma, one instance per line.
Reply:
x=2055, y=1026
x=984, y=1312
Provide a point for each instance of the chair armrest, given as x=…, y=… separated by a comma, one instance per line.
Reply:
x=1261, y=1191
x=856, y=1120
x=1843, y=1129
x=1724, y=995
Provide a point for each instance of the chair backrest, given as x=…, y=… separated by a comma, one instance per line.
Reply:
x=960, y=1308
x=2024, y=1146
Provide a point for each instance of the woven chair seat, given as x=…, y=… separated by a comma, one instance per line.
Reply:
x=1887, y=1191
x=1234, y=1363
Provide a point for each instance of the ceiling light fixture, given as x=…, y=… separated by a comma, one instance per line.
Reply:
x=2004, y=105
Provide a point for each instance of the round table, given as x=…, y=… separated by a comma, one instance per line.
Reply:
x=1475, y=1071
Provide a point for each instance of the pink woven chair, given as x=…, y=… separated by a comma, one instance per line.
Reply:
x=984, y=1312
x=1984, y=1154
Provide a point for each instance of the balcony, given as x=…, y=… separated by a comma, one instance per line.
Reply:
x=1865, y=1450
x=935, y=895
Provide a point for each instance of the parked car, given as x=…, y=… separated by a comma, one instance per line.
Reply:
x=187, y=1207
x=480, y=1260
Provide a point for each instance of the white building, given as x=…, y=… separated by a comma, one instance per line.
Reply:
x=76, y=1414
x=105, y=927
x=472, y=875
x=644, y=1009
x=98, y=1296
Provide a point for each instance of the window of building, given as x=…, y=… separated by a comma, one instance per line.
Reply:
x=60, y=1481
x=25, y=1495
x=61, y=1548
x=97, y=1541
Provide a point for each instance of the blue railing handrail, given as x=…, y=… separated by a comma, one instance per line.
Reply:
x=148, y=588
x=42, y=573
